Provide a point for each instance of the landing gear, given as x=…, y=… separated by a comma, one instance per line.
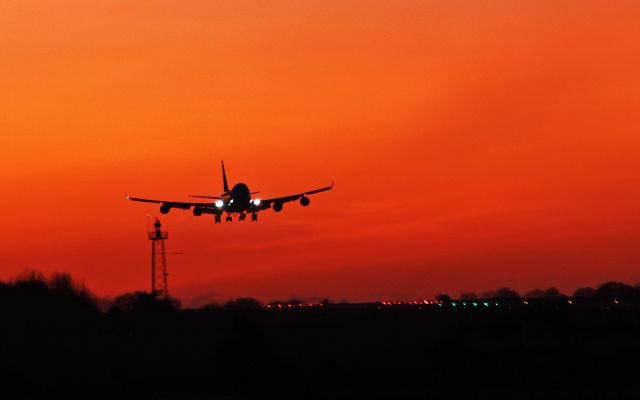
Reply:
x=254, y=217
x=229, y=218
x=242, y=217
x=218, y=218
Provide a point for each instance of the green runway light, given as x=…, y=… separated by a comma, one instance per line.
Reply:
x=454, y=304
x=486, y=304
x=464, y=304
x=475, y=304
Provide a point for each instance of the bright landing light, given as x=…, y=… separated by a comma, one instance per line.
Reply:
x=256, y=202
x=219, y=203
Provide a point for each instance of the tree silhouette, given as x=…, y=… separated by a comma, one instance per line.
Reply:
x=243, y=304
x=535, y=294
x=145, y=303
x=444, y=298
x=489, y=294
x=585, y=292
x=552, y=293
x=507, y=293
x=616, y=290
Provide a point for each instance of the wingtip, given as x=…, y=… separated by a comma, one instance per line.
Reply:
x=126, y=196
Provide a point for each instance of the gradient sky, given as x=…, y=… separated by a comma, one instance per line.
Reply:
x=474, y=144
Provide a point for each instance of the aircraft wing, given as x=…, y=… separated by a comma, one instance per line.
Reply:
x=294, y=197
x=210, y=208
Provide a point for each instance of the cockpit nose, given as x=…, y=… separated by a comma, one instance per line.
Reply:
x=241, y=192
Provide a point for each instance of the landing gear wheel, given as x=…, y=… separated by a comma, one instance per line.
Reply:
x=229, y=218
x=254, y=217
x=217, y=220
x=242, y=217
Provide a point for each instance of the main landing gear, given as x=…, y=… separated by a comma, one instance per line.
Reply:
x=229, y=218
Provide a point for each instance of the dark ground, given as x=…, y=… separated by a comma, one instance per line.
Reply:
x=59, y=344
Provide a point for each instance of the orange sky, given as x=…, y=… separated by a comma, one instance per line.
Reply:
x=474, y=144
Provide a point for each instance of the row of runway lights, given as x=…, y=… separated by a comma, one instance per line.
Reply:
x=281, y=306
x=412, y=303
x=439, y=303
x=293, y=305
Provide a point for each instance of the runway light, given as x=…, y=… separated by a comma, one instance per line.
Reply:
x=475, y=304
x=454, y=304
x=219, y=203
x=526, y=302
x=486, y=304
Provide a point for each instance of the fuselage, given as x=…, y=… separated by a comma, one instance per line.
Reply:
x=237, y=199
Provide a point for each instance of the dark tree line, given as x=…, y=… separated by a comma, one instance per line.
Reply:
x=61, y=291
x=606, y=291
x=59, y=340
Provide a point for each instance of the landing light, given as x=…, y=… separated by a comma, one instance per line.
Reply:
x=219, y=203
x=256, y=202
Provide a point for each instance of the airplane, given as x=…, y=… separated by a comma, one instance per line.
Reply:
x=235, y=201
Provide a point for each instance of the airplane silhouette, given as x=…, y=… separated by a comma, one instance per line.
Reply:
x=235, y=201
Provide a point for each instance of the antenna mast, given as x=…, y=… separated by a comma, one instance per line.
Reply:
x=158, y=261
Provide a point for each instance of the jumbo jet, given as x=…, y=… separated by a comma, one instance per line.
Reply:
x=235, y=201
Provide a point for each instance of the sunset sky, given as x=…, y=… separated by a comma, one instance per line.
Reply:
x=474, y=144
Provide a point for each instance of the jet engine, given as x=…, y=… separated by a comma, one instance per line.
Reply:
x=165, y=208
x=277, y=207
x=305, y=201
x=197, y=211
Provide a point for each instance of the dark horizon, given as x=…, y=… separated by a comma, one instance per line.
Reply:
x=607, y=291
x=57, y=341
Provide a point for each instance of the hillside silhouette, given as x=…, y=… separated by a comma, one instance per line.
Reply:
x=58, y=339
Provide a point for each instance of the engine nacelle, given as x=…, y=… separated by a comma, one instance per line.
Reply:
x=277, y=207
x=305, y=201
x=197, y=211
x=165, y=208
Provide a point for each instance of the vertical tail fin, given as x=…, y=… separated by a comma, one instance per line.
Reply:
x=224, y=179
